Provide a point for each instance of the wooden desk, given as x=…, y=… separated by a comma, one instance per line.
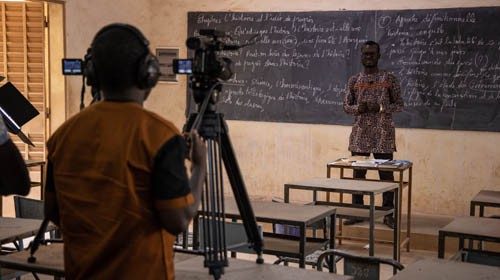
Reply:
x=474, y=228
x=289, y=214
x=407, y=167
x=192, y=269
x=353, y=187
x=14, y=229
x=50, y=261
x=484, y=199
x=436, y=269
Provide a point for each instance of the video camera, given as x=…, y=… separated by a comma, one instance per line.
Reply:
x=206, y=61
x=206, y=68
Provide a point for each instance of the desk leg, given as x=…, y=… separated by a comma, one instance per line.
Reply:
x=286, y=196
x=315, y=199
x=408, y=214
x=372, y=225
x=481, y=214
x=472, y=209
x=328, y=175
x=341, y=200
x=441, y=239
x=472, y=213
x=397, y=226
x=398, y=206
x=302, y=246
x=331, y=259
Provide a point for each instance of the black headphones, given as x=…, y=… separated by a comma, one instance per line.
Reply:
x=148, y=70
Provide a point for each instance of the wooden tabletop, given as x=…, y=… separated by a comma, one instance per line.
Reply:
x=50, y=261
x=439, y=269
x=192, y=269
x=16, y=228
x=344, y=185
x=477, y=226
x=485, y=196
x=287, y=213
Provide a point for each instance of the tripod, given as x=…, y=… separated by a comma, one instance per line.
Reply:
x=213, y=128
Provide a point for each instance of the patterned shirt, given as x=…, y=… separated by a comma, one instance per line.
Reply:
x=4, y=135
x=373, y=132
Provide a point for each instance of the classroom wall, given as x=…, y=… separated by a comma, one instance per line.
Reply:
x=449, y=166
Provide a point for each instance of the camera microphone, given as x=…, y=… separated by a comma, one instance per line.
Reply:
x=212, y=33
x=231, y=47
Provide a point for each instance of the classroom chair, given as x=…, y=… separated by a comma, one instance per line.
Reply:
x=361, y=267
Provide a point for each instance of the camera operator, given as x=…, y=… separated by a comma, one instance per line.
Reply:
x=14, y=177
x=117, y=183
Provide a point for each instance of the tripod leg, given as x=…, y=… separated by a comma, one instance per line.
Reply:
x=240, y=193
x=213, y=208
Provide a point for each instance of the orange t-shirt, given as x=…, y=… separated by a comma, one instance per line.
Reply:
x=102, y=166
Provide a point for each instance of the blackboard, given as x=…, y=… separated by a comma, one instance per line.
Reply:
x=447, y=61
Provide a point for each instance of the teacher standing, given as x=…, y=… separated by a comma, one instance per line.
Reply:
x=373, y=95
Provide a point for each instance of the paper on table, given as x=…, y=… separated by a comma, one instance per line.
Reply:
x=347, y=160
x=369, y=162
x=395, y=163
x=354, y=158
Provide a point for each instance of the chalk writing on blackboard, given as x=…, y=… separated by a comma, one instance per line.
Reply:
x=447, y=61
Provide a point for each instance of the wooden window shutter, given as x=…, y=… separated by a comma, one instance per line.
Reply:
x=22, y=62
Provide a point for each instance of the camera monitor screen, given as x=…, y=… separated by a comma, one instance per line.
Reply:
x=72, y=66
x=183, y=66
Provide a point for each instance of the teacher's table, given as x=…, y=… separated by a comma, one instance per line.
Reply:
x=400, y=167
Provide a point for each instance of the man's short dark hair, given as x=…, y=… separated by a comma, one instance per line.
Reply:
x=372, y=43
x=116, y=54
